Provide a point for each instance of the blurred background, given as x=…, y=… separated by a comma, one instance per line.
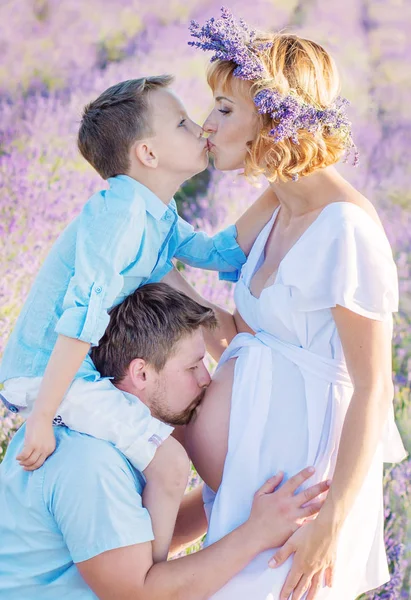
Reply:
x=57, y=55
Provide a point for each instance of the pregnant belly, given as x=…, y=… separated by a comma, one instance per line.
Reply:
x=269, y=431
x=207, y=434
x=233, y=409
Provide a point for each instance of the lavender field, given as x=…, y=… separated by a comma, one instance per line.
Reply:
x=56, y=55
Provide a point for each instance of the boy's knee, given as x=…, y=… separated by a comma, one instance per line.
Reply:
x=170, y=465
x=179, y=467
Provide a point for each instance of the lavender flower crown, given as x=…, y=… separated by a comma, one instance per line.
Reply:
x=235, y=42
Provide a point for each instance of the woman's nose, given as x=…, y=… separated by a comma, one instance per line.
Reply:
x=209, y=126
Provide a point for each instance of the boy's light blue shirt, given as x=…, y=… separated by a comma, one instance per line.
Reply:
x=84, y=500
x=123, y=238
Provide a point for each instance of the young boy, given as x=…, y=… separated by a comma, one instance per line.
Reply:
x=138, y=136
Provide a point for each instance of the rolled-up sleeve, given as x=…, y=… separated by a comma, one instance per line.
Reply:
x=109, y=236
x=219, y=252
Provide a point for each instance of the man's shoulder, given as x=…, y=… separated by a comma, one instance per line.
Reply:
x=90, y=457
x=94, y=496
x=80, y=444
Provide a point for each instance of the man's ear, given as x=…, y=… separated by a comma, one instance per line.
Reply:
x=137, y=372
x=145, y=152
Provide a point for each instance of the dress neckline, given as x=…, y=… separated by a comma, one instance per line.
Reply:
x=270, y=226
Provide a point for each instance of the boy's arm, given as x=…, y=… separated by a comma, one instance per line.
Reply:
x=39, y=441
x=108, y=239
x=227, y=250
x=217, y=340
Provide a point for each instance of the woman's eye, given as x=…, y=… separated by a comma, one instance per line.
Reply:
x=224, y=112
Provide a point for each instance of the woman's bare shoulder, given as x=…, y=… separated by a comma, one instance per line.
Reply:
x=362, y=202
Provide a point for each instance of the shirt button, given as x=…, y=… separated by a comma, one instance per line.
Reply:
x=98, y=290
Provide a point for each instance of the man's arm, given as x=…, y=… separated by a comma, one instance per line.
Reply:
x=128, y=573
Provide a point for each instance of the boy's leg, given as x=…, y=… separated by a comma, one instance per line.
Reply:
x=167, y=477
x=101, y=410
x=19, y=393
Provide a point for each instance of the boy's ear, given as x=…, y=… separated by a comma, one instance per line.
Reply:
x=145, y=153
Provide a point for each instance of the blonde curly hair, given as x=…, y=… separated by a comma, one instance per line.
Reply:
x=303, y=67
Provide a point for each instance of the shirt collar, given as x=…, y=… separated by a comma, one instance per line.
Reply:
x=154, y=205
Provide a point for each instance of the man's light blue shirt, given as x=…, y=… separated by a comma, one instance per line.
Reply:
x=84, y=500
x=123, y=238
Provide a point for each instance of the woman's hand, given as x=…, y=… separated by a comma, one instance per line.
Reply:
x=314, y=549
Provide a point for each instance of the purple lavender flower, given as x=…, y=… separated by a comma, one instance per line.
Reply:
x=292, y=115
x=236, y=42
x=230, y=41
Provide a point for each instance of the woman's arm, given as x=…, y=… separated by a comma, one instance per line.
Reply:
x=240, y=324
x=367, y=349
x=217, y=340
x=191, y=521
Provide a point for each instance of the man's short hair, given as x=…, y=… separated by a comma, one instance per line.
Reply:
x=148, y=325
x=113, y=122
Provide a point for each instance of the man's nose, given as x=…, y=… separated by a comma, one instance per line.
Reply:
x=204, y=378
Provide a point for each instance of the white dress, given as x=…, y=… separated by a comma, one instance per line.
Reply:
x=291, y=391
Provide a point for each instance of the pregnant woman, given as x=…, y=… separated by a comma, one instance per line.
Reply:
x=308, y=379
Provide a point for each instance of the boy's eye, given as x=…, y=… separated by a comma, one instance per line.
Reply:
x=182, y=122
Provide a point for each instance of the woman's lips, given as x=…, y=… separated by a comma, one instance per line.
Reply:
x=210, y=145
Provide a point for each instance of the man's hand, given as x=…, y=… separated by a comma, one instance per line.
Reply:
x=39, y=442
x=278, y=514
x=129, y=572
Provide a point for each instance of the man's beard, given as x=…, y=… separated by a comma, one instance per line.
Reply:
x=160, y=410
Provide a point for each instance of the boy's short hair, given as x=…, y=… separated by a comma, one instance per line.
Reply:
x=114, y=121
x=148, y=325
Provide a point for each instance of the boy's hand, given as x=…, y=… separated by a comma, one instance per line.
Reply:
x=39, y=442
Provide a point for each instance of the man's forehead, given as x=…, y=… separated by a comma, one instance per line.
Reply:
x=191, y=348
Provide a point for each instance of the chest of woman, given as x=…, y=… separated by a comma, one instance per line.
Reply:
x=280, y=241
x=274, y=313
